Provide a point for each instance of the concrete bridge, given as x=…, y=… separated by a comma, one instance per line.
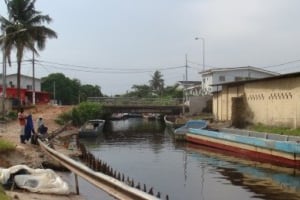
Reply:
x=140, y=105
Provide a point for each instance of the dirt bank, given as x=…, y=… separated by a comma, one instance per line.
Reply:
x=29, y=154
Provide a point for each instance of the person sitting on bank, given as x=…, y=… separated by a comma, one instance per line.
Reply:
x=41, y=128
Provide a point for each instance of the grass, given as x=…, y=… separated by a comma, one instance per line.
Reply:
x=3, y=196
x=277, y=130
x=6, y=146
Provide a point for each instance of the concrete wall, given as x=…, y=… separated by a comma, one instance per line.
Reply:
x=199, y=103
x=274, y=102
x=222, y=102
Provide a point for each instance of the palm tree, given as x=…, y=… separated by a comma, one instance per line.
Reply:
x=22, y=30
x=157, y=82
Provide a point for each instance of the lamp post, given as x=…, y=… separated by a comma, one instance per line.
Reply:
x=203, y=50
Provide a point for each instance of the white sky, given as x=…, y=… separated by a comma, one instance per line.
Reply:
x=114, y=40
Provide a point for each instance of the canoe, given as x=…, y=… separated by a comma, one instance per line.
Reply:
x=170, y=122
x=91, y=128
x=261, y=146
x=181, y=132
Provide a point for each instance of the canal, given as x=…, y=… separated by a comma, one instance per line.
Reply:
x=145, y=151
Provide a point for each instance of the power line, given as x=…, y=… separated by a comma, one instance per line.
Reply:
x=281, y=64
x=104, y=71
x=141, y=68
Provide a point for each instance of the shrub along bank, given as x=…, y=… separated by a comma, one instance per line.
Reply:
x=81, y=113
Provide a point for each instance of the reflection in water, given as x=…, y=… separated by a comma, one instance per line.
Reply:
x=143, y=150
x=265, y=181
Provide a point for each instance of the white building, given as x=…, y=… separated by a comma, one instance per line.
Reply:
x=222, y=75
x=26, y=82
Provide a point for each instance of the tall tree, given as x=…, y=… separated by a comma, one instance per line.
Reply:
x=22, y=30
x=140, y=91
x=66, y=90
x=89, y=91
x=157, y=82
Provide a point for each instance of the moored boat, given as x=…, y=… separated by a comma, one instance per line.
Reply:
x=92, y=128
x=263, y=146
x=171, y=122
x=181, y=132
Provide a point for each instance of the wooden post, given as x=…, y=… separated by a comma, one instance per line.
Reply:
x=76, y=184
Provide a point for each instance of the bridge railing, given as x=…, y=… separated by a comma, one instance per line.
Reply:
x=136, y=101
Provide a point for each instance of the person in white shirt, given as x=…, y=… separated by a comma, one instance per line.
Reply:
x=41, y=128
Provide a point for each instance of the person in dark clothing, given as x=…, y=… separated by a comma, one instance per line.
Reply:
x=29, y=128
x=41, y=128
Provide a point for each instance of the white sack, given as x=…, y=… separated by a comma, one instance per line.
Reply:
x=38, y=180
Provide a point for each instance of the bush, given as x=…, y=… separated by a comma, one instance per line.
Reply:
x=3, y=196
x=85, y=111
x=12, y=115
x=64, y=118
x=6, y=146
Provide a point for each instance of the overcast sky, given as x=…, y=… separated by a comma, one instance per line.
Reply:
x=118, y=43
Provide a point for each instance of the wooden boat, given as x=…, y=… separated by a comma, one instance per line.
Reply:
x=92, y=128
x=170, y=121
x=181, y=132
x=149, y=116
x=282, y=150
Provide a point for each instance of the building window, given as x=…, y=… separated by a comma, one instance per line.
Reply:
x=222, y=78
x=238, y=78
x=29, y=87
x=11, y=84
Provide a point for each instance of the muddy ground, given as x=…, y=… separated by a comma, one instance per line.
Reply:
x=30, y=154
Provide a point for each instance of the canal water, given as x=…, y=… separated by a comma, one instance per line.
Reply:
x=146, y=152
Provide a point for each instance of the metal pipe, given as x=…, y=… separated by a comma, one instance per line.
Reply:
x=108, y=184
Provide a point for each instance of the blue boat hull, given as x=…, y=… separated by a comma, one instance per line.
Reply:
x=281, y=152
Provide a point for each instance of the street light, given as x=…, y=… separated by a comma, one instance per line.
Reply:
x=203, y=49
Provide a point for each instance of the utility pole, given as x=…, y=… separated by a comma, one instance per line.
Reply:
x=185, y=98
x=186, y=68
x=33, y=79
x=203, y=50
x=54, y=92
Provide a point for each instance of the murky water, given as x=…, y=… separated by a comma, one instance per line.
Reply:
x=146, y=152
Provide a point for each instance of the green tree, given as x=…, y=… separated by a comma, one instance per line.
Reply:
x=140, y=91
x=65, y=90
x=157, y=83
x=173, y=91
x=68, y=91
x=89, y=91
x=22, y=30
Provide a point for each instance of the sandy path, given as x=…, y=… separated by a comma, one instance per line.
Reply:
x=30, y=154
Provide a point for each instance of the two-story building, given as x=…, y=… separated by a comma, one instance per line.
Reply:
x=198, y=94
x=26, y=89
x=217, y=76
